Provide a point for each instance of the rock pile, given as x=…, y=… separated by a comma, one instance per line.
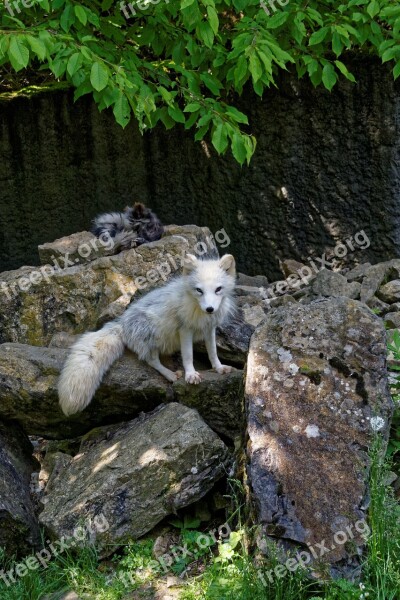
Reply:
x=315, y=393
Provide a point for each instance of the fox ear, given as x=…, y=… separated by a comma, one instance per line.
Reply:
x=189, y=264
x=227, y=263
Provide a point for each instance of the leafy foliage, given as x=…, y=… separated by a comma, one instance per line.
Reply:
x=186, y=61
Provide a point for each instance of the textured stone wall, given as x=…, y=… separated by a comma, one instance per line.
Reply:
x=326, y=166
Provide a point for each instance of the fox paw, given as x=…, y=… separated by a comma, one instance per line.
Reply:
x=178, y=374
x=225, y=369
x=194, y=377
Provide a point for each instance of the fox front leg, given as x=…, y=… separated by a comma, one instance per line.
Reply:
x=211, y=345
x=186, y=338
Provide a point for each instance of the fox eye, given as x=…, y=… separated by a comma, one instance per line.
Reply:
x=218, y=290
x=199, y=290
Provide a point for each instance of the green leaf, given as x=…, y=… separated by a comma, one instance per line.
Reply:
x=281, y=55
x=99, y=76
x=267, y=62
x=37, y=46
x=176, y=114
x=318, y=36
x=211, y=82
x=58, y=66
x=236, y=115
x=186, y=3
x=205, y=119
x=255, y=67
x=391, y=53
x=396, y=70
x=238, y=148
x=74, y=63
x=18, y=53
x=343, y=69
x=277, y=20
x=80, y=13
x=373, y=8
x=329, y=76
x=4, y=45
x=240, y=70
x=191, y=120
x=165, y=118
x=166, y=95
x=220, y=138
x=206, y=33
x=240, y=4
x=315, y=15
x=67, y=18
x=122, y=110
x=201, y=132
x=84, y=88
x=192, y=107
x=213, y=18
x=337, y=44
x=312, y=66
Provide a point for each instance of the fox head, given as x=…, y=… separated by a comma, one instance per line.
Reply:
x=210, y=281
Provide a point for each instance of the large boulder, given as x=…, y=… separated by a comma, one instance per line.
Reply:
x=134, y=475
x=28, y=393
x=40, y=301
x=316, y=392
x=19, y=529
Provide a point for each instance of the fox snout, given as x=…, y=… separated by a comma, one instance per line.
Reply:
x=210, y=309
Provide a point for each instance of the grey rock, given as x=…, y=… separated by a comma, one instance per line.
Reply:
x=80, y=248
x=134, y=475
x=28, y=392
x=390, y=292
x=392, y=320
x=248, y=290
x=329, y=283
x=316, y=391
x=252, y=280
x=282, y=300
x=63, y=340
x=38, y=302
x=377, y=306
x=395, y=307
x=358, y=273
x=19, y=529
x=62, y=595
x=253, y=313
x=291, y=267
x=233, y=339
x=376, y=275
x=220, y=406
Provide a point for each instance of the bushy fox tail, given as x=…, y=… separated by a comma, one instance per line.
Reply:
x=90, y=358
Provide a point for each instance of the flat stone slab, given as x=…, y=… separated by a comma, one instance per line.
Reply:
x=28, y=393
x=133, y=475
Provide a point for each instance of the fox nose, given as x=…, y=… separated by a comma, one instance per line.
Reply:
x=210, y=309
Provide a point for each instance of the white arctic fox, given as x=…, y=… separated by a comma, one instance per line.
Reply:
x=187, y=309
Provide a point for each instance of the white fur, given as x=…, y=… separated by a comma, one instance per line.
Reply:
x=161, y=322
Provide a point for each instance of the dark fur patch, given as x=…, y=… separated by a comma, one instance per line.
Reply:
x=145, y=224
